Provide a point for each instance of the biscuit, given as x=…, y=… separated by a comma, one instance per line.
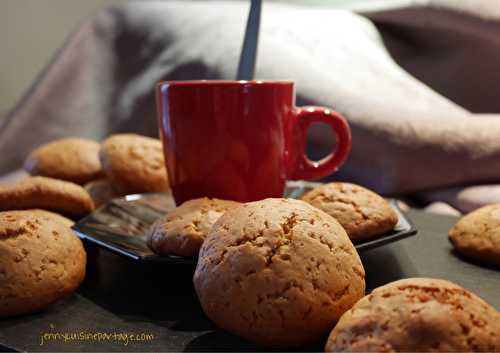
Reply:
x=71, y=159
x=182, y=230
x=41, y=261
x=418, y=315
x=101, y=191
x=56, y=217
x=278, y=272
x=46, y=193
x=361, y=212
x=134, y=163
x=476, y=235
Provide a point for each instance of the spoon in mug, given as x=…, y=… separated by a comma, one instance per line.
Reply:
x=248, y=57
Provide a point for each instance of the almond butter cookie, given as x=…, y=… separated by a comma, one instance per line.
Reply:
x=56, y=217
x=477, y=235
x=134, y=163
x=41, y=261
x=72, y=159
x=182, y=230
x=363, y=213
x=418, y=315
x=278, y=272
x=46, y=193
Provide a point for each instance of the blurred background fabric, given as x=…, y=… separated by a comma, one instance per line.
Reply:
x=417, y=80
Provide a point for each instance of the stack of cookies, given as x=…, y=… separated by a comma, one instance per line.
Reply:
x=280, y=272
x=41, y=259
x=363, y=214
x=72, y=176
x=284, y=273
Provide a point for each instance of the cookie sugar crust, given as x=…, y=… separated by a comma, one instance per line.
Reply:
x=278, y=272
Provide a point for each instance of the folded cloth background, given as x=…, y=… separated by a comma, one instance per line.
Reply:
x=403, y=78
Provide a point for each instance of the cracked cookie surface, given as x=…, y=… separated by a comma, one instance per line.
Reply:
x=72, y=159
x=46, y=193
x=134, y=163
x=56, y=217
x=41, y=261
x=363, y=213
x=278, y=272
x=183, y=230
x=418, y=315
x=477, y=235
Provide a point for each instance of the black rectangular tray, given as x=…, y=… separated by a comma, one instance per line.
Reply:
x=120, y=225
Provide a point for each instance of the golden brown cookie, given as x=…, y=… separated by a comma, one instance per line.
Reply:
x=56, y=217
x=41, y=261
x=418, y=315
x=278, y=272
x=72, y=159
x=101, y=191
x=363, y=213
x=134, y=163
x=48, y=194
x=477, y=235
x=183, y=230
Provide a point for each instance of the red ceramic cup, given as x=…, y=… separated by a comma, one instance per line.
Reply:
x=240, y=140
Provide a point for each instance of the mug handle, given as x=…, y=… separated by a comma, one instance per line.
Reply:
x=303, y=167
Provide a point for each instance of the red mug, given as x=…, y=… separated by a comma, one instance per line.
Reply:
x=240, y=140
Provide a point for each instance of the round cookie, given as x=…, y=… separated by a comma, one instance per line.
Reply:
x=278, y=272
x=363, y=213
x=41, y=261
x=56, y=217
x=48, y=194
x=72, y=159
x=477, y=235
x=134, y=163
x=183, y=230
x=418, y=315
x=101, y=191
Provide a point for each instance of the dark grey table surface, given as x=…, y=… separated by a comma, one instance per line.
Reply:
x=119, y=296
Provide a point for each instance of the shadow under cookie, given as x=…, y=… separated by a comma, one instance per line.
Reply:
x=140, y=289
x=473, y=261
x=384, y=258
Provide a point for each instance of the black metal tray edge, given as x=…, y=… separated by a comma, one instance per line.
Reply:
x=389, y=238
x=4, y=348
